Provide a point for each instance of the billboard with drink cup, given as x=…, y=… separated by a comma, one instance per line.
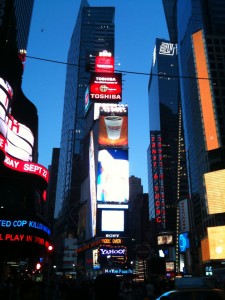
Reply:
x=113, y=128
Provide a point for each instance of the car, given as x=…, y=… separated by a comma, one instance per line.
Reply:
x=193, y=294
x=194, y=288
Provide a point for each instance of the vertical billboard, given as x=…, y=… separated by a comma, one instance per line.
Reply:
x=113, y=176
x=106, y=87
x=205, y=91
x=157, y=172
x=113, y=126
x=215, y=191
x=184, y=216
x=92, y=184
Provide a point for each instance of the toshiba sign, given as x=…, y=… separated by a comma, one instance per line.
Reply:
x=106, y=87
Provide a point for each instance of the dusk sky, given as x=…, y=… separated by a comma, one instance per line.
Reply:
x=137, y=25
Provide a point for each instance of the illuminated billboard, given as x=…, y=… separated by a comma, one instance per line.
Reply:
x=113, y=176
x=213, y=247
x=92, y=184
x=106, y=87
x=113, y=127
x=184, y=242
x=215, y=191
x=16, y=139
x=104, y=62
x=166, y=239
x=183, y=215
x=109, y=253
x=205, y=91
x=158, y=177
x=112, y=220
x=170, y=266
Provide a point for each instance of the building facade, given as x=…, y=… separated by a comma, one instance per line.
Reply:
x=166, y=153
x=198, y=29
x=93, y=32
x=25, y=234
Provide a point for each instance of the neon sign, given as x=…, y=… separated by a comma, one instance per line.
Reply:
x=157, y=171
x=24, y=223
x=9, y=237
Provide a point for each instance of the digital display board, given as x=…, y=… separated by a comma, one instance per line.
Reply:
x=104, y=62
x=213, y=246
x=113, y=128
x=205, y=91
x=92, y=184
x=215, y=191
x=16, y=139
x=166, y=239
x=184, y=242
x=113, y=176
x=112, y=221
x=106, y=87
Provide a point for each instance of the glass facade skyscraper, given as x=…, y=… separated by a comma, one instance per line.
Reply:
x=167, y=174
x=93, y=32
x=198, y=29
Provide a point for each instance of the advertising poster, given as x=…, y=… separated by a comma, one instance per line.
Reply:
x=113, y=176
x=106, y=87
x=113, y=129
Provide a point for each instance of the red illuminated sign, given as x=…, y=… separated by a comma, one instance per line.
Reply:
x=104, y=64
x=157, y=171
x=22, y=166
x=106, y=87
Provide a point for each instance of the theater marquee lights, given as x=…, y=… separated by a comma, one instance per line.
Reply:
x=157, y=171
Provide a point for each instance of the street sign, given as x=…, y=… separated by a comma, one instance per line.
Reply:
x=142, y=251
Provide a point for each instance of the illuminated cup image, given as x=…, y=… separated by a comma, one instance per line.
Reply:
x=113, y=126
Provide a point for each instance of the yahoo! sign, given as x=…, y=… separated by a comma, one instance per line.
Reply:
x=119, y=251
x=112, y=251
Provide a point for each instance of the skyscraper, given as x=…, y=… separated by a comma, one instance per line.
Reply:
x=198, y=29
x=93, y=32
x=166, y=155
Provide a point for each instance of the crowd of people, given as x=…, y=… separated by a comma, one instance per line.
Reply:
x=104, y=286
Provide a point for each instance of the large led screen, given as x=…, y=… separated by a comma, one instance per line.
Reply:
x=213, y=247
x=106, y=87
x=113, y=129
x=113, y=176
x=112, y=221
x=205, y=91
x=215, y=191
x=16, y=139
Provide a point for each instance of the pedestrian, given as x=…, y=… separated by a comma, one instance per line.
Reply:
x=149, y=290
x=106, y=286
